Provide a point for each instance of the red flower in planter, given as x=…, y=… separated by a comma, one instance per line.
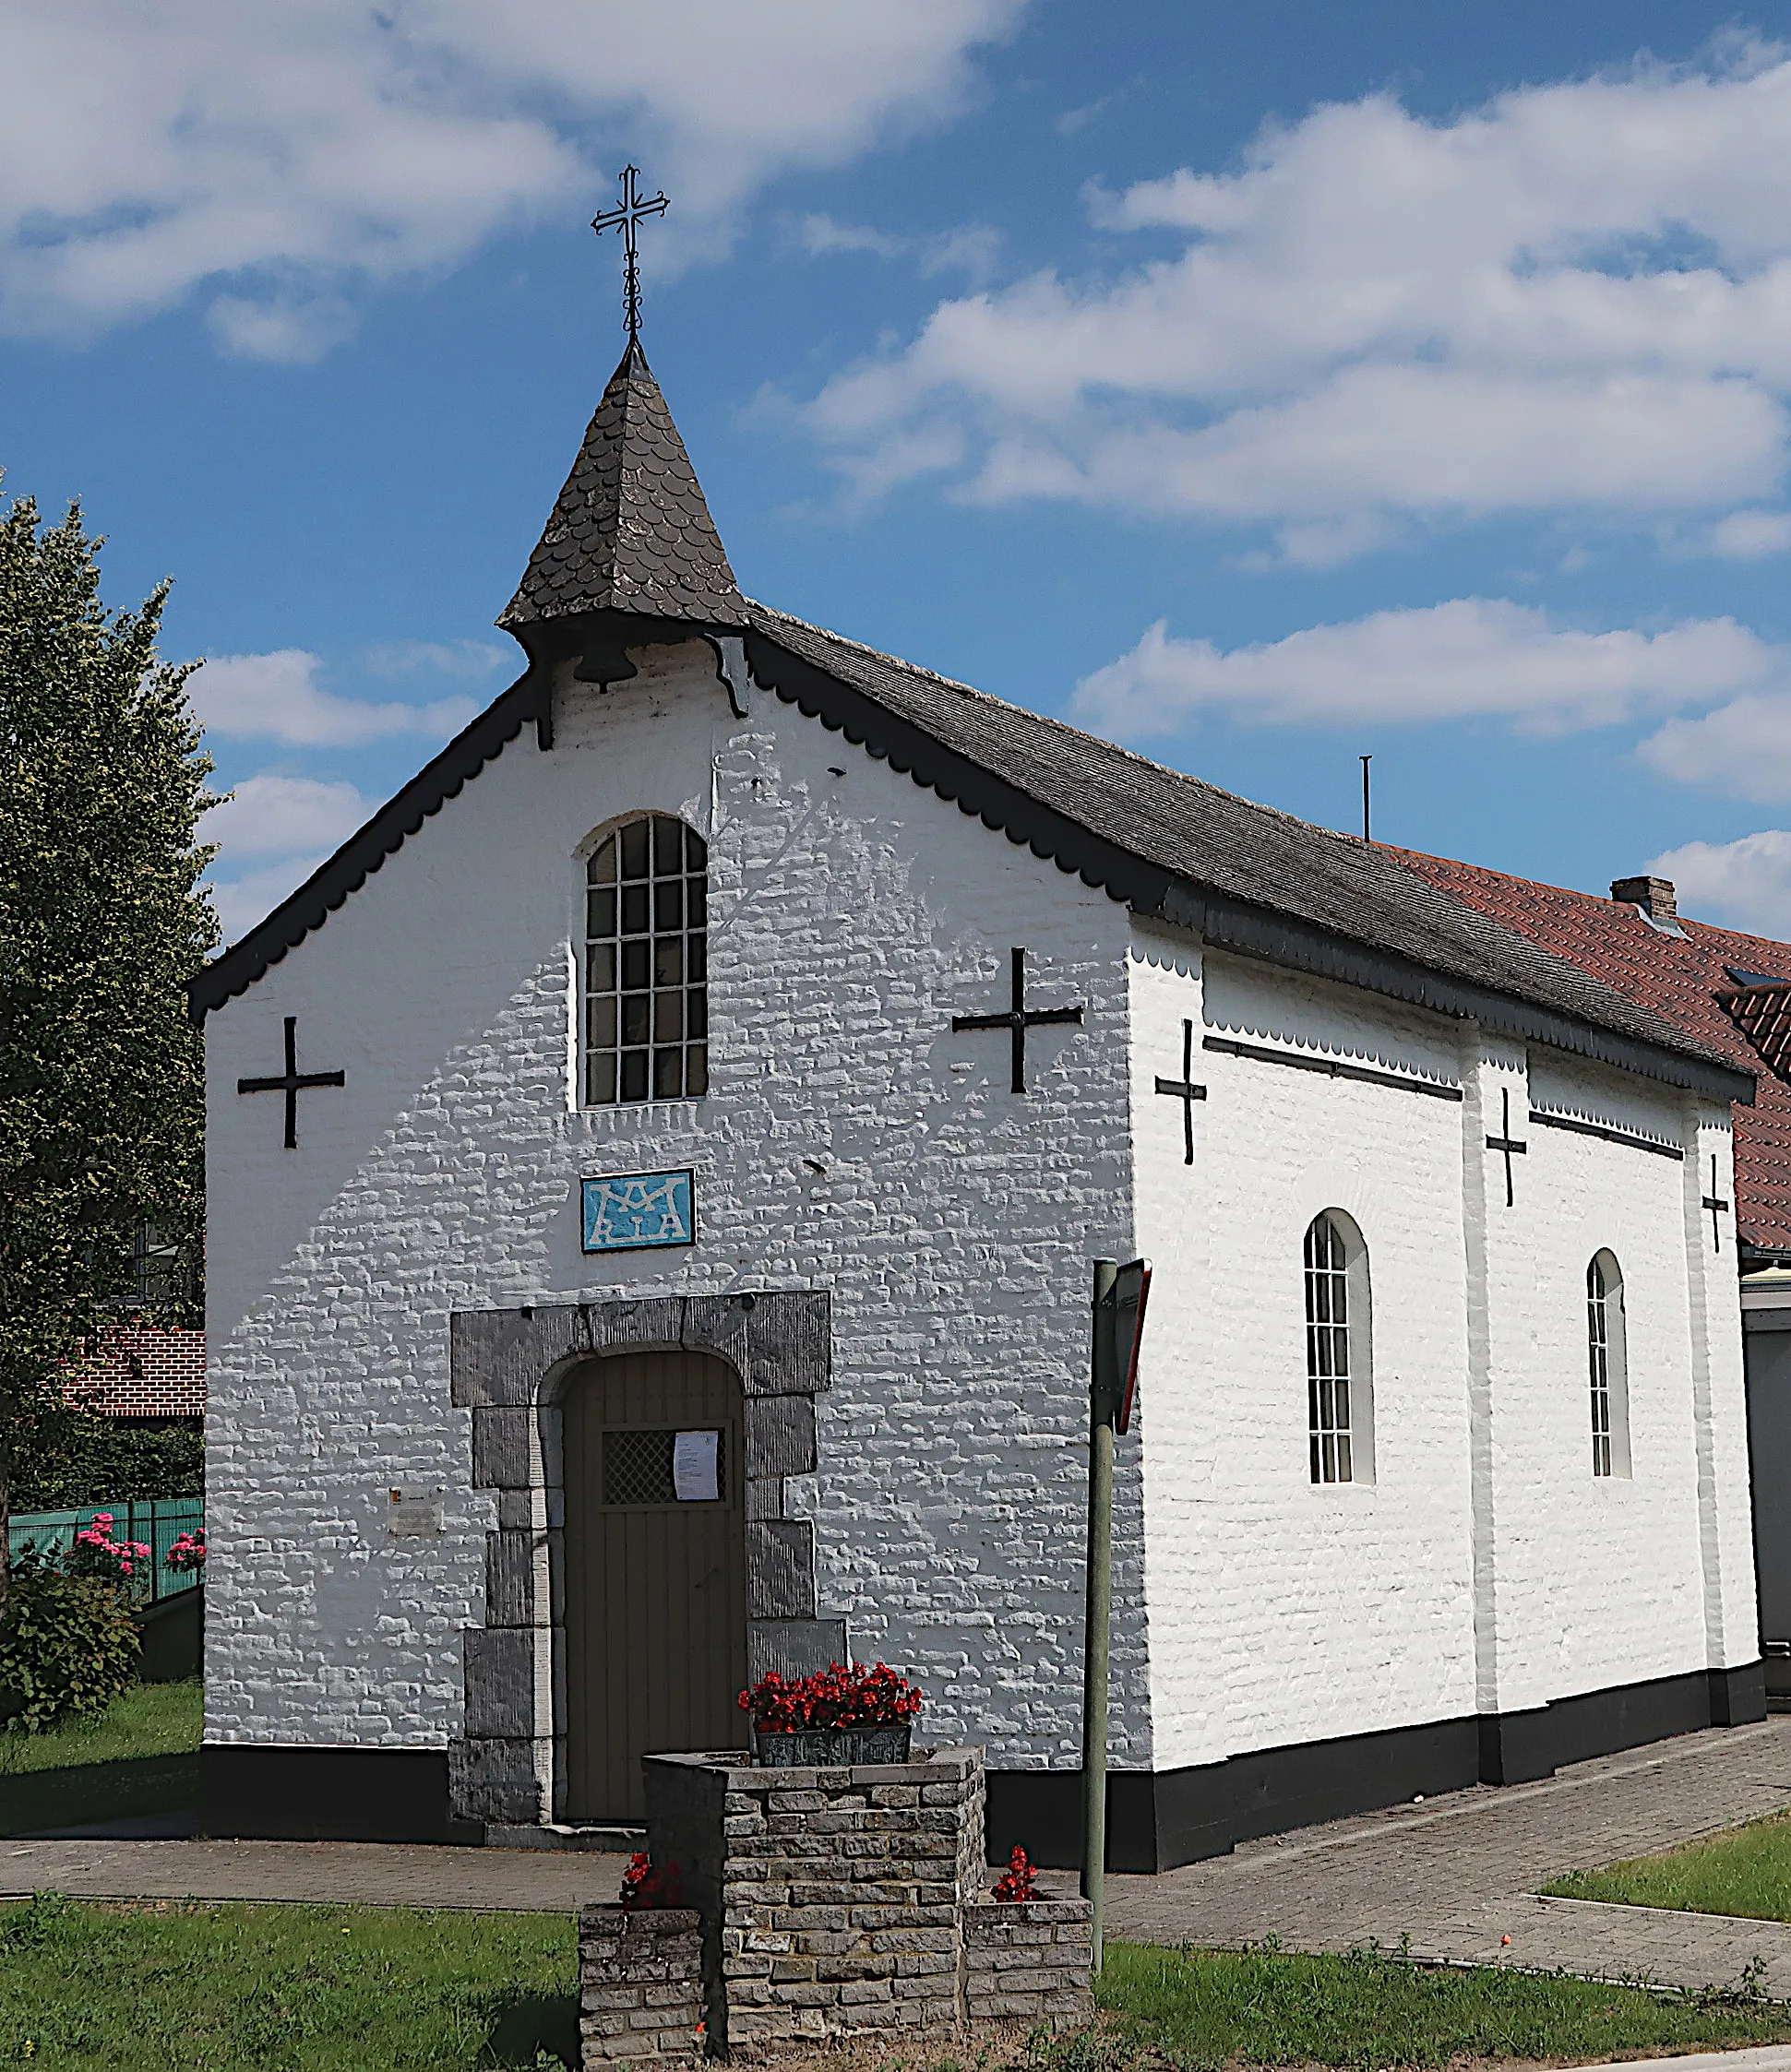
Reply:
x=842, y=1695
x=1017, y=1882
x=646, y=1889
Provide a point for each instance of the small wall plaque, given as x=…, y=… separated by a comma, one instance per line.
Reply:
x=629, y=1211
x=414, y=1514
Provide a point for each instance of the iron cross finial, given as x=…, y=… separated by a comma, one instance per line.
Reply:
x=627, y=218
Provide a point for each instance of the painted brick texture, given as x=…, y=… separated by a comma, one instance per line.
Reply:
x=951, y=1220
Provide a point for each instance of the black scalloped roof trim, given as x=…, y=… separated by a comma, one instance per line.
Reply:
x=1245, y=876
x=1248, y=876
x=361, y=855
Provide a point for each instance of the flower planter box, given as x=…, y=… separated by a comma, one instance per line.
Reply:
x=831, y=1748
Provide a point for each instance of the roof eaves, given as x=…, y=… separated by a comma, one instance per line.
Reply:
x=362, y=853
x=1149, y=890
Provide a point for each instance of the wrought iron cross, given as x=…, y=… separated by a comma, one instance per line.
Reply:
x=290, y=1081
x=1509, y=1144
x=1018, y=1020
x=1184, y=1091
x=627, y=218
x=1715, y=1204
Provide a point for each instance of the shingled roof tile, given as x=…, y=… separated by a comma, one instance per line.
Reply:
x=632, y=531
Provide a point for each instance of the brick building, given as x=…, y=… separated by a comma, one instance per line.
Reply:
x=653, y=1172
x=145, y=1375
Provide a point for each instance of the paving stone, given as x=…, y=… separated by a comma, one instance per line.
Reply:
x=1455, y=1874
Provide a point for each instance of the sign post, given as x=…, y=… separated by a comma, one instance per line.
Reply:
x=1121, y=1293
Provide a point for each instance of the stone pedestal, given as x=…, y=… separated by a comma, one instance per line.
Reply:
x=844, y=1902
x=640, y=1984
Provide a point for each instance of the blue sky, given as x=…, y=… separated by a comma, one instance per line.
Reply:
x=1260, y=387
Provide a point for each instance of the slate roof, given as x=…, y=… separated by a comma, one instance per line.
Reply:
x=1681, y=978
x=1353, y=892
x=632, y=531
x=631, y=535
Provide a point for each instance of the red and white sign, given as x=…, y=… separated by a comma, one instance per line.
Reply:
x=1131, y=1292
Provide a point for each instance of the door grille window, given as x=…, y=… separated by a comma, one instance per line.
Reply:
x=638, y=1468
x=647, y=964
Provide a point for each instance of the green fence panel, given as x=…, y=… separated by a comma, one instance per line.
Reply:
x=154, y=1522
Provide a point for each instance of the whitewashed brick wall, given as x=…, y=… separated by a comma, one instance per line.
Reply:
x=853, y=913
x=852, y=916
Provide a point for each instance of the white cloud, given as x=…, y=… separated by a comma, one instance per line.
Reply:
x=285, y=154
x=972, y=249
x=242, y=902
x=1576, y=297
x=277, y=697
x=471, y=660
x=1743, y=748
x=821, y=236
x=274, y=816
x=1472, y=656
x=1748, y=535
x=1745, y=883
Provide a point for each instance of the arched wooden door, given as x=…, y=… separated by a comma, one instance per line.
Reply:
x=655, y=1575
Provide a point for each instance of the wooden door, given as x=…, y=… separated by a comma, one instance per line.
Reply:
x=655, y=1644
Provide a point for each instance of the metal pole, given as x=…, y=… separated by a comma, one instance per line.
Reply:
x=1103, y=1407
x=1365, y=761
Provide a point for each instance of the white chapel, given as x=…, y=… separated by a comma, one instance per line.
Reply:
x=654, y=1170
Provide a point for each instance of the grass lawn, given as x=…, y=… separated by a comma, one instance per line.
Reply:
x=190, y=1987
x=1744, y=1870
x=1206, y=2008
x=142, y=1757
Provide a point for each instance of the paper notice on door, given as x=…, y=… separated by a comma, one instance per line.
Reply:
x=696, y=1467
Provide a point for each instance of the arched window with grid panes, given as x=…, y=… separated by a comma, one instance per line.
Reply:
x=1607, y=1361
x=646, y=964
x=1339, y=1351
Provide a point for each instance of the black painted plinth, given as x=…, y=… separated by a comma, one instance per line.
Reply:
x=1156, y=1820
x=290, y=1793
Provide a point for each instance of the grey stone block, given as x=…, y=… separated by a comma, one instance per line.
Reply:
x=793, y=1647
x=765, y=1499
x=500, y=1683
x=509, y=1579
x=780, y=1435
x=494, y=1781
x=502, y=1451
x=781, y=1569
x=497, y=1356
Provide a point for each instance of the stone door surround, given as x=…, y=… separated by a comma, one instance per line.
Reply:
x=507, y=1367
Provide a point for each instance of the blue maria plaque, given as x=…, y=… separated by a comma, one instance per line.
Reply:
x=629, y=1211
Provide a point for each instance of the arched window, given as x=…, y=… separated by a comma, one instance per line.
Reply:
x=1607, y=1363
x=645, y=971
x=1338, y=1354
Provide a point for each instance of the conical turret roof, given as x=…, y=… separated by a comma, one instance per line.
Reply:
x=632, y=531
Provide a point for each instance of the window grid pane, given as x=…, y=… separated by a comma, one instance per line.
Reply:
x=1598, y=1355
x=646, y=963
x=1327, y=1353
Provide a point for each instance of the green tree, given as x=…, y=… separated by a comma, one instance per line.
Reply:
x=101, y=923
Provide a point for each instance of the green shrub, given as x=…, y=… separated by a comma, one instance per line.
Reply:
x=93, y=1460
x=68, y=1646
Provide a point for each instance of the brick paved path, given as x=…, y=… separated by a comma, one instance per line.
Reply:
x=376, y=1874
x=1455, y=1875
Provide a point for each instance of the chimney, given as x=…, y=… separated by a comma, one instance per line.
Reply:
x=1655, y=896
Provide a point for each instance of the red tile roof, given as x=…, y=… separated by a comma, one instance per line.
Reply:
x=1680, y=978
